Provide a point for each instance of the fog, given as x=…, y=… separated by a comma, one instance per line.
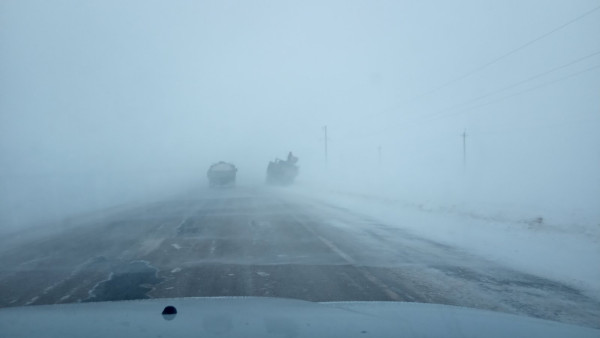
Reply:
x=111, y=102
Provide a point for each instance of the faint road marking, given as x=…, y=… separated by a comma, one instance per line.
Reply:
x=213, y=246
x=32, y=300
x=336, y=250
x=182, y=223
x=389, y=292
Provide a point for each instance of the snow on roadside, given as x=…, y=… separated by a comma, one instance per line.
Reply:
x=565, y=253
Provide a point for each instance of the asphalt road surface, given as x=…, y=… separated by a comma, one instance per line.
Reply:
x=265, y=242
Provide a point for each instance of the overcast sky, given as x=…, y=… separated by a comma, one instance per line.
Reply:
x=105, y=100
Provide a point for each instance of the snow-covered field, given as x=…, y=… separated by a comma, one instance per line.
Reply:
x=568, y=253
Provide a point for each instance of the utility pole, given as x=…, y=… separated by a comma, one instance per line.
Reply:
x=325, y=130
x=464, y=137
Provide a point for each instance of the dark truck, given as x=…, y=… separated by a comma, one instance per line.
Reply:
x=280, y=172
x=221, y=174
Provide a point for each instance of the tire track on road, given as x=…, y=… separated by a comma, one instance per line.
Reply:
x=346, y=257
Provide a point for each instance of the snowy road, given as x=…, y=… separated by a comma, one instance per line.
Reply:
x=265, y=242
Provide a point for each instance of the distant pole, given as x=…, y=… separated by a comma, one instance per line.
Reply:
x=325, y=130
x=464, y=137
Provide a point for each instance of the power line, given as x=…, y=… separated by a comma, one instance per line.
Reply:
x=501, y=57
x=513, y=85
x=554, y=126
x=509, y=53
x=438, y=115
x=526, y=91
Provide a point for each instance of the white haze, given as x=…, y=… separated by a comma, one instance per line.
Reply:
x=108, y=102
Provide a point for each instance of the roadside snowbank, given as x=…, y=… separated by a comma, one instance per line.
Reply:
x=563, y=252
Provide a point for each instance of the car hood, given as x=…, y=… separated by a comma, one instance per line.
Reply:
x=271, y=317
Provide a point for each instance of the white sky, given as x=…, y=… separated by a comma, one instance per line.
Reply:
x=101, y=101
